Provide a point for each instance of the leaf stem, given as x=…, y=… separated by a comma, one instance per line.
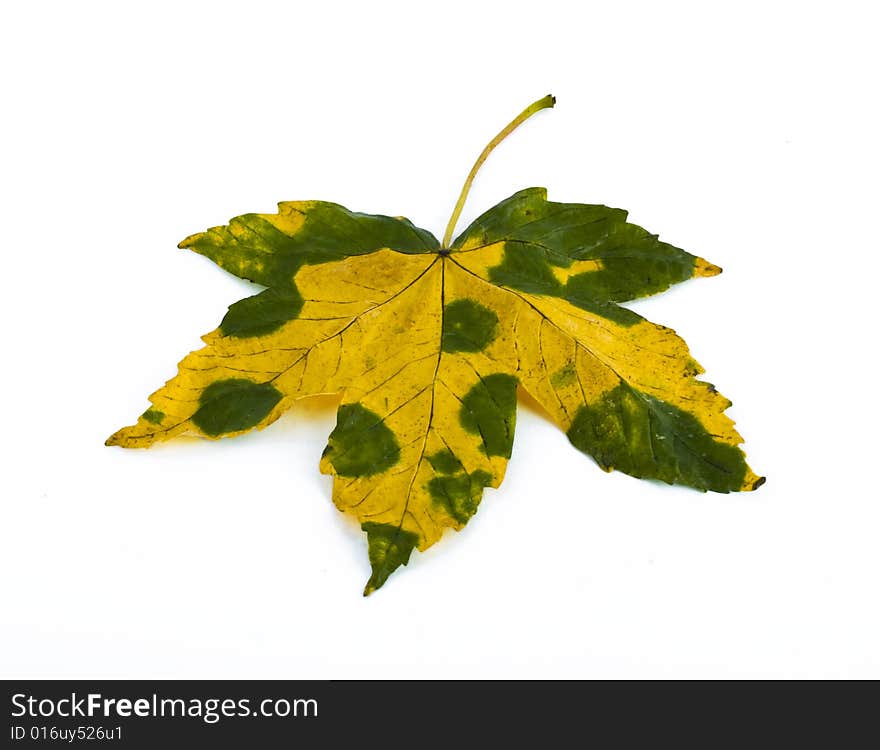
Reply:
x=544, y=103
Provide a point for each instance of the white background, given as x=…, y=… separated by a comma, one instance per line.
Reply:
x=744, y=132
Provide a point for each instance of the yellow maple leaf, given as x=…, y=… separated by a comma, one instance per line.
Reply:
x=427, y=343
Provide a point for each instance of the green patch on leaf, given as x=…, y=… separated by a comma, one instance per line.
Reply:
x=488, y=409
x=564, y=376
x=361, y=444
x=444, y=462
x=645, y=437
x=459, y=494
x=526, y=268
x=233, y=405
x=261, y=314
x=270, y=248
x=153, y=415
x=578, y=292
x=468, y=326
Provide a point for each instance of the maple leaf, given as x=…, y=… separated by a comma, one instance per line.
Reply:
x=427, y=342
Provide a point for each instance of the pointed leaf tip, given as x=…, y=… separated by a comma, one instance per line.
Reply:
x=704, y=268
x=389, y=547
